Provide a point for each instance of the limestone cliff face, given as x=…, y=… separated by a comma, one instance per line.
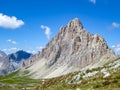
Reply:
x=71, y=49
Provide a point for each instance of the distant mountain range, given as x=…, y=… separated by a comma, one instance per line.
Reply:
x=19, y=55
x=2, y=54
x=11, y=62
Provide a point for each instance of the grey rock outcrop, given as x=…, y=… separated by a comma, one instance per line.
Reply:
x=72, y=49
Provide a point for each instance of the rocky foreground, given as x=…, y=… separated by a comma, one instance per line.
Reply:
x=106, y=77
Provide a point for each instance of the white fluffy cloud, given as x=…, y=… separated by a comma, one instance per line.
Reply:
x=39, y=48
x=11, y=41
x=115, y=25
x=10, y=49
x=116, y=48
x=31, y=51
x=47, y=31
x=10, y=22
x=35, y=50
x=14, y=48
x=93, y=1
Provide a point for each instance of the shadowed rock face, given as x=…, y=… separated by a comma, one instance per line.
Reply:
x=71, y=49
x=19, y=55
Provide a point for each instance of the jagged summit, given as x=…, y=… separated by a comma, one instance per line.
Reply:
x=72, y=49
x=75, y=23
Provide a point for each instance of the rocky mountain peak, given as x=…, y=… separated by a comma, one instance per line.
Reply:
x=75, y=23
x=72, y=49
x=19, y=55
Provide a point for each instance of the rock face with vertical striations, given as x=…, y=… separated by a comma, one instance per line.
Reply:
x=72, y=49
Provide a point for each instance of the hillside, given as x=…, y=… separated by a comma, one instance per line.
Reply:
x=106, y=77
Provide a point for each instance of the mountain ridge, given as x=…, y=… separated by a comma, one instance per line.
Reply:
x=11, y=62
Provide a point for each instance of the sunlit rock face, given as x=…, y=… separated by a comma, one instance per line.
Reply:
x=72, y=49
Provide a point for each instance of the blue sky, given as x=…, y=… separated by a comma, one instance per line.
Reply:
x=30, y=24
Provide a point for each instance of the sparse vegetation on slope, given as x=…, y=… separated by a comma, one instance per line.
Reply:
x=106, y=77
